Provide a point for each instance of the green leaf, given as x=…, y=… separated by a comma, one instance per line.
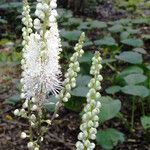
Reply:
x=146, y=36
x=116, y=28
x=124, y=35
x=106, y=41
x=145, y=120
x=129, y=70
x=130, y=57
x=133, y=42
x=109, y=138
x=84, y=26
x=71, y=35
x=132, y=31
x=124, y=21
x=140, y=21
x=136, y=90
x=109, y=60
x=110, y=108
x=132, y=70
x=75, y=103
x=80, y=91
x=50, y=104
x=140, y=50
x=135, y=78
x=13, y=99
x=83, y=80
x=98, y=24
x=87, y=57
x=113, y=89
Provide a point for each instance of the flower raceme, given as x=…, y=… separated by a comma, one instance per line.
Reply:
x=41, y=58
x=92, y=108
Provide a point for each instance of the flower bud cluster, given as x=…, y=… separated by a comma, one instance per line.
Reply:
x=74, y=68
x=90, y=119
x=27, y=22
x=45, y=10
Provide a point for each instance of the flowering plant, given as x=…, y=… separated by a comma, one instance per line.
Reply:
x=41, y=76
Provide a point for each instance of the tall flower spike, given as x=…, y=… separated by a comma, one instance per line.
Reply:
x=27, y=22
x=70, y=76
x=92, y=108
x=74, y=68
x=42, y=70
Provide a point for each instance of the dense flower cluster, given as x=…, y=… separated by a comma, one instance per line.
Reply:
x=74, y=68
x=40, y=64
x=41, y=58
x=92, y=108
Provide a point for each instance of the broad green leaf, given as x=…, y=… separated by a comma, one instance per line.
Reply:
x=119, y=79
x=13, y=99
x=50, y=104
x=132, y=31
x=83, y=80
x=113, y=89
x=71, y=35
x=110, y=108
x=89, y=43
x=84, y=26
x=133, y=42
x=75, y=103
x=130, y=57
x=146, y=36
x=116, y=28
x=10, y=5
x=124, y=35
x=124, y=21
x=145, y=120
x=80, y=91
x=109, y=138
x=87, y=57
x=106, y=41
x=136, y=90
x=132, y=70
x=140, y=21
x=140, y=50
x=109, y=60
x=135, y=78
x=98, y=24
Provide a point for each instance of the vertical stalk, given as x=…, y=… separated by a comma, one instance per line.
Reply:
x=30, y=127
x=142, y=104
x=133, y=111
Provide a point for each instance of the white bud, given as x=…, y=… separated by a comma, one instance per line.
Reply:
x=30, y=145
x=25, y=104
x=54, y=13
x=33, y=117
x=16, y=112
x=37, y=22
x=48, y=122
x=36, y=148
x=80, y=136
x=45, y=7
x=52, y=19
x=39, y=6
x=79, y=145
x=34, y=107
x=22, y=96
x=23, y=135
x=53, y=4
